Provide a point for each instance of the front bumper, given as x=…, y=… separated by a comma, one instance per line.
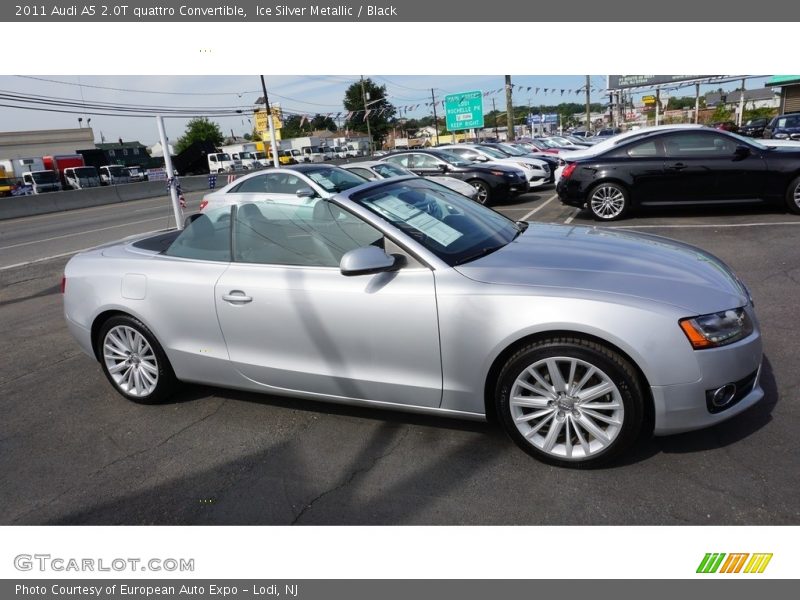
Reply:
x=684, y=407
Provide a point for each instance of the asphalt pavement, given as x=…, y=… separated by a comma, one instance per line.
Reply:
x=72, y=451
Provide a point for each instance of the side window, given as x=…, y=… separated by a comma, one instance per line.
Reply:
x=315, y=236
x=425, y=161
x=208, y=237
x=643, y=149
x=365, y=173
x=253, y=185
x=401, y=160
x=690, y=145
x=283, y=183
x=793, y=122
x=465, y=153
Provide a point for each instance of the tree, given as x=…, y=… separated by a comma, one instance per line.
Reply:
x=199, y=129
x=381, y=113
x=319, y=122
x=292, y=128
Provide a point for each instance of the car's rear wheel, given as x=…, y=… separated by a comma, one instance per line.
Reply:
x=793, y=196
x=608, y=201
x=570, y=402
x=484, y=192
x=134, y=362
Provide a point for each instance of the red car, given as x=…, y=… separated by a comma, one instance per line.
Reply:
x=726, y=126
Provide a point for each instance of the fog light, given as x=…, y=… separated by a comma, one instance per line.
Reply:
x=722, y=396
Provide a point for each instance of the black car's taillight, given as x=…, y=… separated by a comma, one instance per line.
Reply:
x=568, y=170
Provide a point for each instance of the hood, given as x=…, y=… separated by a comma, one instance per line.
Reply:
x=610, y=261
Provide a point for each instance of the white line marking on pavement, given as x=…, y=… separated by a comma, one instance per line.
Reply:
x=540, y=207
x=705, y=226
x=61, y=237
x=62, y=255
x=572, y=216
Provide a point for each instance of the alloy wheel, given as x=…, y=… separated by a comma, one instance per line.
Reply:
x=130, y=361
x=567, y=408
x=607, y=202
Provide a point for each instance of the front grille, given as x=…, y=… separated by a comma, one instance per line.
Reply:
x=743, y=387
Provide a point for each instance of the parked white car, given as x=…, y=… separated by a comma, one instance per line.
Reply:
x=537, y=171
x=376, y=169
x=296, y=185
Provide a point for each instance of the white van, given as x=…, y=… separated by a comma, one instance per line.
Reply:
x=80, y=178
x=114, y=175
x=40, y=182
x=220, y=162
x=313, y=154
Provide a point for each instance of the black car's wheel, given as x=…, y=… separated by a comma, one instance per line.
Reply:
x=570, y=402
x=133, y=361
x=608, y=201
x=484, y=195
x=793, y=196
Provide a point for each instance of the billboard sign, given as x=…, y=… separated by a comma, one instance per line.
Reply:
x=619, y=82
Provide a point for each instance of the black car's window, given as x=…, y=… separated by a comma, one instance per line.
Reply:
x=390, y=170
x=644, y=149
x=315, y=235
x=424, y=161
x=208, y=237
x=688, y=145
x=401, y=160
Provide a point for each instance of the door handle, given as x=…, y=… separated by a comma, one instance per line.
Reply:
x=678, y=166
x=237, y=297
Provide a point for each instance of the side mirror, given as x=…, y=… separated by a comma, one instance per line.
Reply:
x=305, y=192
x=443, y=167
x=741, y=152
x=480, y=159
x=366, y=261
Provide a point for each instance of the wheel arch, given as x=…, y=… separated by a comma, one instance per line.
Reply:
x=104, y=316
x=490, y=382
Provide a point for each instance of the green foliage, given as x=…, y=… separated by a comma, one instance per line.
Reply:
x=684, y=103
x=199, y=129
x=721, y=113
x=759, y=113
x=382, y=112
x=319, y=122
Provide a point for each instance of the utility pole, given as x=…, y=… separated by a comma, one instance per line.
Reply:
x=509, y=110
x=436, y=119
x=588, y=107
x=272, y=142
x=658, y=105
x=366, y=114
x=494, y=111
x=171, y=180
x=696, y=103
x=741, y=106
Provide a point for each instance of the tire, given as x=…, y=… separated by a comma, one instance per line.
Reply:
x=585, y=433
x=608, y=201
x=134, y=362
x=793, y=196
x=484, y=195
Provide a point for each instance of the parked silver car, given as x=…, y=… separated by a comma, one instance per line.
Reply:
x=402, y=294
x=376, y=169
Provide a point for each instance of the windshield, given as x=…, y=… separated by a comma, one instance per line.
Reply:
x=85, y=172
x=390, y=170
x=757, y=122
x=454, y=228
x=245, y=155
x=44, y=177
x=117, y=171
x=223, y=156
x=334, y=179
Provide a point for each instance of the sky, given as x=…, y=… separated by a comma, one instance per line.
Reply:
x=296, y=94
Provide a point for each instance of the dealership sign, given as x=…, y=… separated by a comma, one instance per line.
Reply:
x=618, y=82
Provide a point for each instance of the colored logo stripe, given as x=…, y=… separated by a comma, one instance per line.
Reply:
x=713, y=562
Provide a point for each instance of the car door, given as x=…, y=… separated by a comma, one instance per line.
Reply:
x=642, y=164
x=293, y=322
x=704, y=166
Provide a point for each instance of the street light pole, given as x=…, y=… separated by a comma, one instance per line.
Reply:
x=436, y=120
x=173, y=184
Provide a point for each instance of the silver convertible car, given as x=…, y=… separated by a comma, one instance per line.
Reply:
x=402, y=294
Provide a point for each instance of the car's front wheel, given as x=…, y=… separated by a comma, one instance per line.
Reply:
x=483, y=193
x=608, y=201
x=134, y=362
x=570, y=402
x=793, y=196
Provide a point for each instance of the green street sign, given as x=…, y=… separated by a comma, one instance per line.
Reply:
x=464, y=110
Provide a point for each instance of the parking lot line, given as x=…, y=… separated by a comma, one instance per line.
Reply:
x=540, y=207
x=572, y=216
x=705, y=225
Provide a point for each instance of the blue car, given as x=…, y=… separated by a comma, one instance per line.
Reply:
x=784, y=127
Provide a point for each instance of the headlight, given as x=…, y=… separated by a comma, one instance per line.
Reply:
x=780, y=136
x=717, y=329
